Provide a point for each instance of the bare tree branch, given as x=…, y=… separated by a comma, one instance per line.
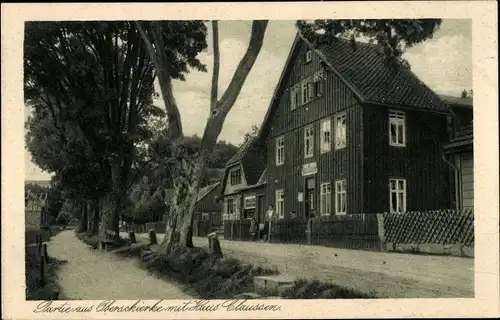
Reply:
x=245, y=65
x=215, y=74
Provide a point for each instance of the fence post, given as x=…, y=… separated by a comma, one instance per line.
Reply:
x=131, y=236
x=45, y=255
x=152, y=237
x=381, y=230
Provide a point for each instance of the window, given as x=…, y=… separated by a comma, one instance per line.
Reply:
x=205, y=216
x=326, y=135
x=308, y=56
x=295, y=96
x=307, y=90
x=308, y=142
x=340, y=132
x=250, y=202
x=340, y=197
x=318, y=83
x=326, y=199
x=280, y=150
x=280, y=203
x=397, y=130
x=230, y=206
x=398, y=195
x=235, y=177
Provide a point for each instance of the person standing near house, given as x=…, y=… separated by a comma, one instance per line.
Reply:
x=268, y=225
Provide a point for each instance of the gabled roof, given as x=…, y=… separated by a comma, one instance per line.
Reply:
x=458, y=101
x=364, y=71
x=263, y=177
x=463, y=141
x=206, y=190
x=377, y=82
x=241, y=152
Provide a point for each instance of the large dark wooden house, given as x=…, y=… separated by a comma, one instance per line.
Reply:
x=347, y=133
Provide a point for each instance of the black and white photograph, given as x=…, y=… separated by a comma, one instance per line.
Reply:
x=237, y=164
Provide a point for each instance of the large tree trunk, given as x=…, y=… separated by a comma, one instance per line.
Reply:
x=112, y=204
x=96, y=217
x=83, y=218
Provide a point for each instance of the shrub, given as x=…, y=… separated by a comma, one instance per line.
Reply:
x=307, y=289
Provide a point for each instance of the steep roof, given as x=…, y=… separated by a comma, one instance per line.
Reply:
x=458, y=101
x=241, y=152
x=206, y=190
x=375, y=81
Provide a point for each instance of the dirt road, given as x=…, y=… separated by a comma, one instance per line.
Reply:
x=93, y=274
x=391, y=275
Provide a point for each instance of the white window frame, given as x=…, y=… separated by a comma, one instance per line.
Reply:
x=340, y=131
x=340, y=197
x=231, y=176
x=280, y=150
x=308, y=56
x=280, y=203
x=306, y=90
x=326, y=199
x=309, y=136
x=319, y=83
x=326, y=131
x=398, y=119
x=400, y=207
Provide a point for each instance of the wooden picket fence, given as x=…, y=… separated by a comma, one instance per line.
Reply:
x=434, y=226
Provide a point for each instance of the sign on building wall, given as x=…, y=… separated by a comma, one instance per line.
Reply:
x=309, y=169
x=250, y=202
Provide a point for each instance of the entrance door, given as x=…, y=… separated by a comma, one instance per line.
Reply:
x=310, y=197
x=261, y=211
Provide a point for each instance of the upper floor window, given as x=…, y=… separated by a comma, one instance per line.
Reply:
x=308, y=141
x=295, y=96
x=308, y=56
x=280, y=150
x=326, y=199
x=326, y=135
x=340, y=131
x=235, y=177
x=280, y=203
x=397, y=191
x=307, y=90
x=397, y=129
x=340, y=197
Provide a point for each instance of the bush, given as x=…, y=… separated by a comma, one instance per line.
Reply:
x=62, y=219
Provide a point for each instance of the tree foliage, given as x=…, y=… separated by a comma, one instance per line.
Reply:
x=393, y=36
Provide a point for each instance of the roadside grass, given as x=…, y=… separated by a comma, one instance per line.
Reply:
x=200, y=273
x=34, y=290
x=314, y=289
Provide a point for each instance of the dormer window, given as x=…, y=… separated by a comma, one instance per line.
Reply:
x=235, y=177
x=308, y=56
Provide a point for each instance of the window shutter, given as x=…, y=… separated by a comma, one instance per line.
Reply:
x=321, y=86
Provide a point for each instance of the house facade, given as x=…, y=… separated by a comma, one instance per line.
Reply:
x=346, y=133
x=208, y=206
x=244, y=184
x=459, y=152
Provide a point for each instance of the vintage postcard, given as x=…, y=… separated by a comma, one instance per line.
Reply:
x=250, y=160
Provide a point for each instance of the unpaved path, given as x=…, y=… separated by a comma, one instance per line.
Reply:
x=99, y=275
x=386, y=274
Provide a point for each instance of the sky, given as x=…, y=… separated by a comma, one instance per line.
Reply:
x=444, y=63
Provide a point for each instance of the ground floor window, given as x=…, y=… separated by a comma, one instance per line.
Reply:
x=205, y=216
x=280, y=203
x=397, y=190
x=340, y=197
x=326, y=199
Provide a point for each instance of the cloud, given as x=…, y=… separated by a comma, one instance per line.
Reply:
x=444, y=63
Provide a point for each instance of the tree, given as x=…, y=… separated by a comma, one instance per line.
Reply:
x=393, y=36
x=188, y=169
x=94, y=82
x=251, y=134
